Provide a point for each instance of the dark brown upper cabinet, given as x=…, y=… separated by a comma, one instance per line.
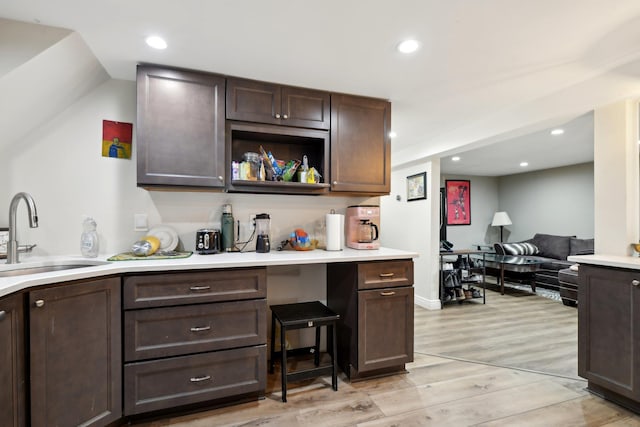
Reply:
x=180, y=128
x=260, y=102
x=360, y=145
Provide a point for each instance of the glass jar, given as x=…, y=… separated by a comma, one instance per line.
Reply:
x=253, y=171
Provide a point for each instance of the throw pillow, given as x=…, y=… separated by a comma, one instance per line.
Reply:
x=552, y=246
x=581, y=246
x=519, y=248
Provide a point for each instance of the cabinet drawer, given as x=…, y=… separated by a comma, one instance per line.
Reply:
x=384, y=274
x=174, y=331
x=158, y=290
x=167, y=383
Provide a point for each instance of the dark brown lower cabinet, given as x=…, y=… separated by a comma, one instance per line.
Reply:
x=194, y=338
x=12, y=373
x=175, y=381
x=608, y=335
x=75, y=353
x=375, y=303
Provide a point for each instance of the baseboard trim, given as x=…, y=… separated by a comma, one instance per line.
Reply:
x=429, y=304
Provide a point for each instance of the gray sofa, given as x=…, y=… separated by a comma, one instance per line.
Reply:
x=553, y=250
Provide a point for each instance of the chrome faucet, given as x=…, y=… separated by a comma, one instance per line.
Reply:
x=12, y=244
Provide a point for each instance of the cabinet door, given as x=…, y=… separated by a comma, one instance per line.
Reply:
x=360, y=145
x=385, y=328
x=12, y=375
x=260, y=102
x=252, y=101
x=75, y=354
x=180, y=128
x=608, y=336
x=305, y=108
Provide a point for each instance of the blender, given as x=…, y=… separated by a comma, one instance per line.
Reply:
x=262, y=231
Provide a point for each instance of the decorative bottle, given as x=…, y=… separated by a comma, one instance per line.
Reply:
x=89, y=244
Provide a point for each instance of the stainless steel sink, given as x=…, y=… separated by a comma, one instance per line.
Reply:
x=35, y=269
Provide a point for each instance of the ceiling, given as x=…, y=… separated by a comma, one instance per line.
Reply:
x=485, y=69
x=539, y=150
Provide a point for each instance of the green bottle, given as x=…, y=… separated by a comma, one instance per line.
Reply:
x=228, y=237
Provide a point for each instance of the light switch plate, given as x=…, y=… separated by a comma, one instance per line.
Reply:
x=4, y=238
x=140, y=222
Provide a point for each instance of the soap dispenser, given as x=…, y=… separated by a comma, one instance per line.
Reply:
x=89, y=244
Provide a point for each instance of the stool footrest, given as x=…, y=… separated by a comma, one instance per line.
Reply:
x=309, y=373
x=302, y=351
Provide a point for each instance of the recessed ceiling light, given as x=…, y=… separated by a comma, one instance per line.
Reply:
x=156, y=42
x=455, y=159
x=408, y=46
x=392, y=134
x=557, y=132
x=524, y=164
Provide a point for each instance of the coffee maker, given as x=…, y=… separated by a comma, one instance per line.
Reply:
x=362, y=230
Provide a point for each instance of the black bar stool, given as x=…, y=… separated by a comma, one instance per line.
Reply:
x=298, y=316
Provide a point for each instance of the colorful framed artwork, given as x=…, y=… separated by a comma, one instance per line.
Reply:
x=116, y=139
x=458, y=193
x=417, y=187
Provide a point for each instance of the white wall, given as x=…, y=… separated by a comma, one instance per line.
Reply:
x=414, y=227
x=616, y=175
x=553, y=201
x=484, y=202
x=61, y=166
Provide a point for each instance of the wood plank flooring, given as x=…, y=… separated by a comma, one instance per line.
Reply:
x=511, y=362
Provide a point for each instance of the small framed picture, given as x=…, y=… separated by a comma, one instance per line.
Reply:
x=417, y=187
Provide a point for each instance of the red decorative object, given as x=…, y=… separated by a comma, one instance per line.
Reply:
x=458, y=202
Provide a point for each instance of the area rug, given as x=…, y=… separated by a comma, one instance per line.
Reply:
x=519, y=290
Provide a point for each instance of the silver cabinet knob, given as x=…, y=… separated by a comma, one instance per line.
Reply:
x=285, y=117
x=40, y=303
x=635, y=282
x=277, y=116
x=220, y=178
x=335, y=182
x=3, y=314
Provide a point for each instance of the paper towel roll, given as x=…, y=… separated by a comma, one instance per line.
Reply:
x=335, y=231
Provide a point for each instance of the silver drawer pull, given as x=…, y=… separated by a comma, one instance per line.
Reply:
x=385, y=275
x=199, y=288
x=635, y=283
x=3, y=314
x=200, y=379
x=387, y=293
x=200, y=328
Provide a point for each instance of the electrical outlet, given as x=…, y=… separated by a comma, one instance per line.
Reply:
x=252, y=223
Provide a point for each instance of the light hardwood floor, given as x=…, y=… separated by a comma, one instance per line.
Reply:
x=511, y=362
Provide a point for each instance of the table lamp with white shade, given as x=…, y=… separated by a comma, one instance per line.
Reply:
x=500, y=219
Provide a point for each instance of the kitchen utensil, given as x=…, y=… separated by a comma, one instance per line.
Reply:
x=168, y=237
x=367, y=231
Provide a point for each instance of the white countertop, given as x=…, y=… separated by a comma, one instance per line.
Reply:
x=194, y=262
x=619, y=261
